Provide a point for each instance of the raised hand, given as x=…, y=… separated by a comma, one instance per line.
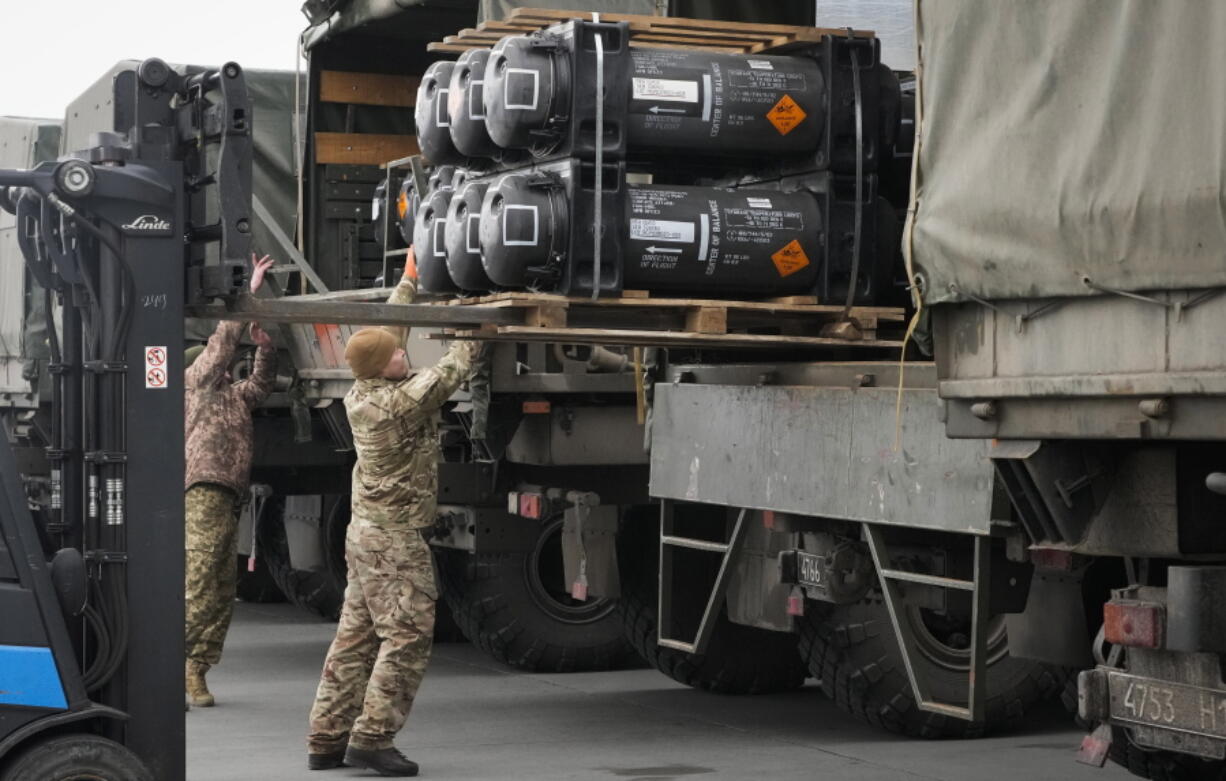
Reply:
x=258, y=269
x=260, y=336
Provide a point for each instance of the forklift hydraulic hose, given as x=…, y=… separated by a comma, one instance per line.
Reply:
x=125, y=312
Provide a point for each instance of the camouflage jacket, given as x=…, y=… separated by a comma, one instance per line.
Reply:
x=217, y=423
x=395, y=434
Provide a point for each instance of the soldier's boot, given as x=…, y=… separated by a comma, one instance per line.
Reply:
x=326, y=761
x=197, y=689
x=384, y=761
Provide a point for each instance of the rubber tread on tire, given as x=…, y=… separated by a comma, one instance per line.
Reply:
x=74, y=757
x=851, y=649
x=490, y=601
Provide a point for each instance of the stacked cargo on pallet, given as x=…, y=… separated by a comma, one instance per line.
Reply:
x=699, y=172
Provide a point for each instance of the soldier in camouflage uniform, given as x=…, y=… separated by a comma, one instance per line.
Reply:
x=218, y=433
x=383, y=641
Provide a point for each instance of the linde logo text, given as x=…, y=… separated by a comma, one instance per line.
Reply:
x=147, y=222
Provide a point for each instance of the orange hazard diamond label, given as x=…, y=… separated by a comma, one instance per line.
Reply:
x=786, y=114
x=790, y=259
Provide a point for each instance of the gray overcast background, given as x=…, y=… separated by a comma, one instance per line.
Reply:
x=52, y=50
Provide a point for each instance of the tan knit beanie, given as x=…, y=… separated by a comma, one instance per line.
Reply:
x=368, y=351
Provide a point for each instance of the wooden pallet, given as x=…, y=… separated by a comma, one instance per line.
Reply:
x=638, y=319
x=352, y=90
x=650, y=32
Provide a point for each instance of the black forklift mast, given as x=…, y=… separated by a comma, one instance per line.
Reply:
x=153, y=216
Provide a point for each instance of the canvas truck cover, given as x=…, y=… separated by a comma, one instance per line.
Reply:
x=1065, y=140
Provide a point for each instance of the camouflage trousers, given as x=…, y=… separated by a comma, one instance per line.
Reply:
x=382, y=643
x=211, y=514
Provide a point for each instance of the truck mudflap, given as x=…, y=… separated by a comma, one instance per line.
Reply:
x=1167, y=701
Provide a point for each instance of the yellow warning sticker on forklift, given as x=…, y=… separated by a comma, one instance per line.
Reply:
x=790, y=259
x=786, y=114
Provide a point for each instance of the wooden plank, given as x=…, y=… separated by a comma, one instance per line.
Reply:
x=707, y=320
x=705, y=42
x=289, y=310
x=532, y=299
x=362, y=148
x=361, y=294
x=546, y=317
x=471, y=39
x=806, y=300
x=455, y=48
x=660, y=338
x=368, y=89
x=636, y=43
x=552, y=16
x=472, y=34
x=652, y=32
x=716, y=39
x=507, y=28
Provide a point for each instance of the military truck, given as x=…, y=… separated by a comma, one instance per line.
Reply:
x=563, y=445
x=1064, y=247
x=770, y=465
x=1075, y=312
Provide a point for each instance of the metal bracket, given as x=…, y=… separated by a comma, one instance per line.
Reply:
x=1018, y=320
x=895, y=602
x=102, y=367
x=1179, y=307
x=106, y=457
x=669, y=541
x=106, y=556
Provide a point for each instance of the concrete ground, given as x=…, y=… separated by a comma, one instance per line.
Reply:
x=475, y=719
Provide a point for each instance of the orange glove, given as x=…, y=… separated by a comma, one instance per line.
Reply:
x=410, y=265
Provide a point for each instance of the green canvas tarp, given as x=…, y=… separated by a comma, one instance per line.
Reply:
x=1066, y=140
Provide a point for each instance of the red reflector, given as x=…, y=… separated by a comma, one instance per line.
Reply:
x=1051, y=558
x=1094, y=747
x=1137, y=624
x=796, y=603
x=768, y=519
x=536, y=407
x=530, y=505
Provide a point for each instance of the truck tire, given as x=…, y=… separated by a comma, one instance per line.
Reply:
x=853, y=651
x=511, y=606
x=73, y=757
x=738, y=659
x=1161, y=765
x=319, y=591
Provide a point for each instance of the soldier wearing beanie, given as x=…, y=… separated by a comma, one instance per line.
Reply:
x=383, y=640
x=217, y=425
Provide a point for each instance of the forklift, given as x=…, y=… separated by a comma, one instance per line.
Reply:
x=153, y=215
